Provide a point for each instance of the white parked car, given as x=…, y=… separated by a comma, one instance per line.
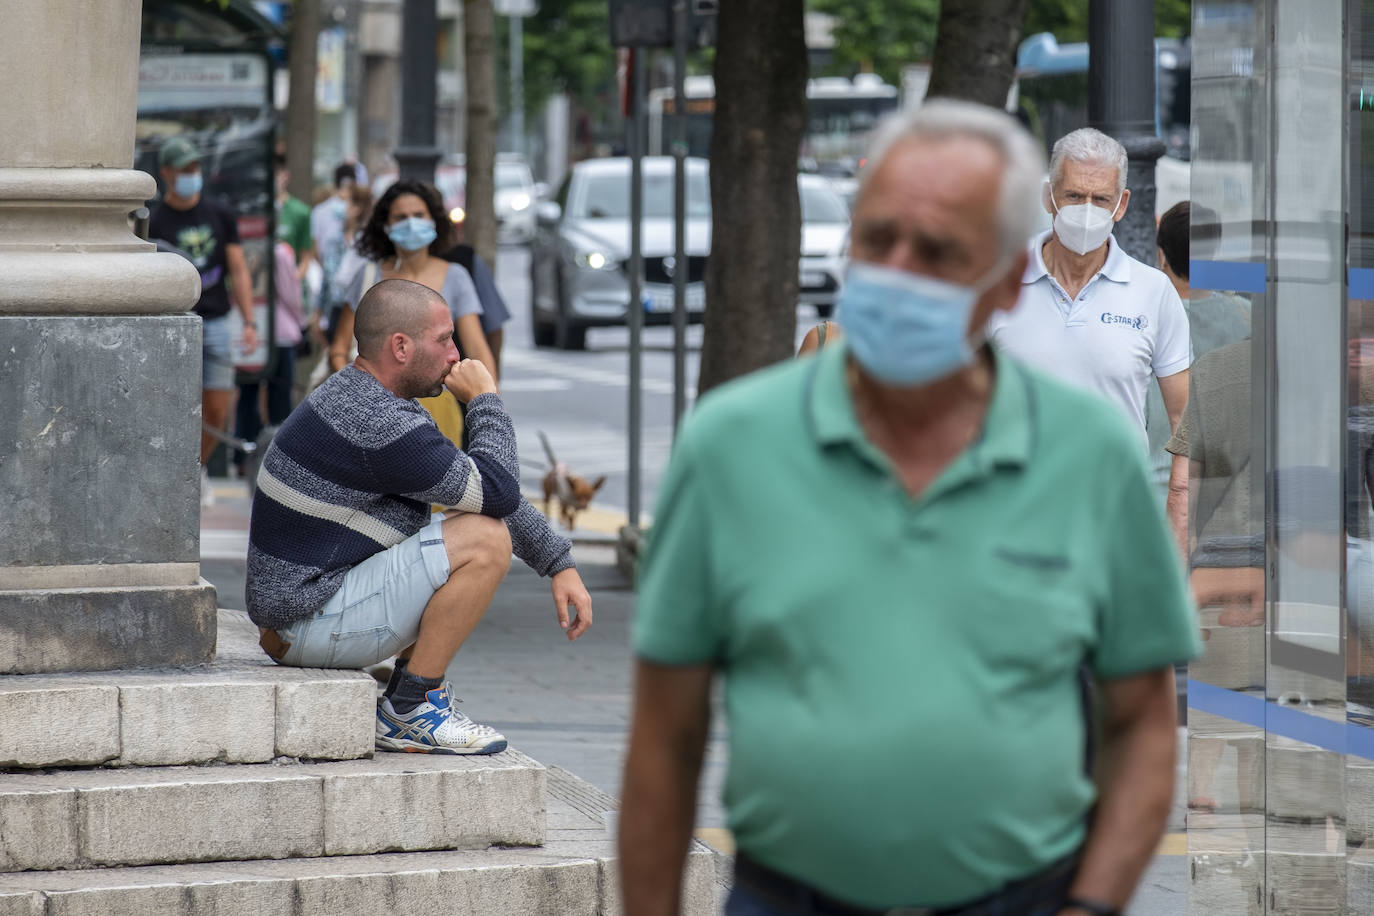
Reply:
x=825, y=243
x=579, y=276
x=515, y=200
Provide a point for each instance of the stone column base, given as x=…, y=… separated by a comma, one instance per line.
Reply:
x=100, y=493
x=98, y=629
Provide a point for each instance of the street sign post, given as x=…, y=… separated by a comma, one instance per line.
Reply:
x=418, y=154
x=634, y=309
x=682, y=271
x=640, y=25
x=517, y=10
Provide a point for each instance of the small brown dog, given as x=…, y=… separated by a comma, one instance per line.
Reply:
x=574, y=493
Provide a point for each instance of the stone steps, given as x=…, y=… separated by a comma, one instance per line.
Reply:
x=573, y=873
x=79, y=819
x=243, y=708
x=222, y=713
x=242, y=788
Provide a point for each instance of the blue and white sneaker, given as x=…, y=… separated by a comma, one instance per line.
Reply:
x=434, y=727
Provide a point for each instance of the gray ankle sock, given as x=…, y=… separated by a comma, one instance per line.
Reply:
x=410, y=691
x=395, y=679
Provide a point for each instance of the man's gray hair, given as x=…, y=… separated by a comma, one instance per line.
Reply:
x=1023, y=170
x=1091, y=147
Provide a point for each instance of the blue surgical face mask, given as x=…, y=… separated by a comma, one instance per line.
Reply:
x=189, y=185
x=412, y=234
x=906, y=329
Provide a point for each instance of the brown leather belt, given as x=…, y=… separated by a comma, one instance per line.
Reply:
x=273, y=644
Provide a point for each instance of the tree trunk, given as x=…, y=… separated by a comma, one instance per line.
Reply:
x=760, y=117
x=300, y=104
x=480, y=227
x=975, y=50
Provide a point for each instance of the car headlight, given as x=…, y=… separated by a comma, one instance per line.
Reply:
x=596, y=260
x=457, y=214
x=519, y=202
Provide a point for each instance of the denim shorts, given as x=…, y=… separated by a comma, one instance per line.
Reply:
x=377, y=610
x=216, y=359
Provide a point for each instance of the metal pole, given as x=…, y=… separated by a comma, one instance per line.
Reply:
x=418, y=155
x=681, y=265
x=517, y=84
x=635, y=307
x=1121, y=102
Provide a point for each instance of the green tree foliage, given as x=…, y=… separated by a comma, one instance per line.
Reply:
x=880, y=36
x=567, y=48
x=885, y=35
x=1068, y=19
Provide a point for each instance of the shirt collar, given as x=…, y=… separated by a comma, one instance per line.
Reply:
x=1117, y=268
x=1008, y=428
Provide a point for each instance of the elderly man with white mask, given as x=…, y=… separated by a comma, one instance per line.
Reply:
x=1090, y=314
x=898, y=556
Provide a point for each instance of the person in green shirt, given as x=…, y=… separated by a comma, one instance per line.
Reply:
x=899, y=556
x=293, y=220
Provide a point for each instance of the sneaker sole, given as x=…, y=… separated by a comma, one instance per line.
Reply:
x=415, y=747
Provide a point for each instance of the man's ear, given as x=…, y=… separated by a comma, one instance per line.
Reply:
x=1121, y=207
x=400, y=347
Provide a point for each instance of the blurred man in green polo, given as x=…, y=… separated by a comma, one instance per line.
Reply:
x=899, y=555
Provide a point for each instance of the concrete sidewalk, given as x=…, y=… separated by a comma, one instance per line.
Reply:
x=568, y=705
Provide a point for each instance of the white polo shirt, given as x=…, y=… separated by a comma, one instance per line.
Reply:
x=1126, y=328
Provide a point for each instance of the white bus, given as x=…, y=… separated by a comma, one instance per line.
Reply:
x=840, y=114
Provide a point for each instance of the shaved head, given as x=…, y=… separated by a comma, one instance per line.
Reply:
x=389, y=307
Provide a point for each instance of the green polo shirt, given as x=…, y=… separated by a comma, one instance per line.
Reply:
x=293, y=226
x=900, y=674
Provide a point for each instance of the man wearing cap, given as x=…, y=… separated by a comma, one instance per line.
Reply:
x=207, y=233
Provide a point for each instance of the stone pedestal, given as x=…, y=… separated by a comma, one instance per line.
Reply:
x=99, y=367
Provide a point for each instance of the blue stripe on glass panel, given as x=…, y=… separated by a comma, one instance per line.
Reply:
x=1361, y=283
x=1228, y=276
x=1288, y=721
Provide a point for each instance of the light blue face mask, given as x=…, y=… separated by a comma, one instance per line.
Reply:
x=189, y=185
x=412, y=234
x=906, y=329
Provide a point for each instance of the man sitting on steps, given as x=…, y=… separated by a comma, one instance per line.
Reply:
x=347, y=567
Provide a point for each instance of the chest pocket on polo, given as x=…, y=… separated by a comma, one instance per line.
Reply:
x=1034, y=617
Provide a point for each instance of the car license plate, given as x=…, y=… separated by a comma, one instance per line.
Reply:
x=810, y=278
x=660, y=299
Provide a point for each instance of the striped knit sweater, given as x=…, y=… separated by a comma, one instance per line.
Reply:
x=354, y=470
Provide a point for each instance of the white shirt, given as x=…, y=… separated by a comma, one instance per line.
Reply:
x=1126, y=328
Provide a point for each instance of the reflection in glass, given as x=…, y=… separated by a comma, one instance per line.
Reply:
x=1359, y=454
x=1305, y=785
x=1223, y=434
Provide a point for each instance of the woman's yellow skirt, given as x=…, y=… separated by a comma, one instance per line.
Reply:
x=448, y=416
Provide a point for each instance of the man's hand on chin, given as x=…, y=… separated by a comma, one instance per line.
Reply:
x=568, y=590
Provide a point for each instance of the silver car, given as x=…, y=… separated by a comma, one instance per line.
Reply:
x=825, y=243
x=579, y=276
